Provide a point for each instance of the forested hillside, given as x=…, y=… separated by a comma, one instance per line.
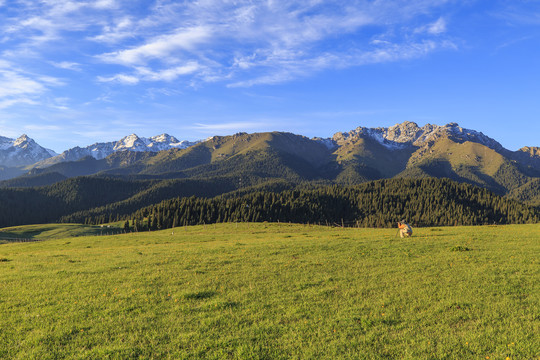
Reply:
x=424, y=202
x=47, y=204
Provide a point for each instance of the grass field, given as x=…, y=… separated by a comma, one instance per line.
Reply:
x=271, y=291
x=57, y=231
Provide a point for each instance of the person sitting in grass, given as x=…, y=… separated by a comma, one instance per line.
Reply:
x=405, y=229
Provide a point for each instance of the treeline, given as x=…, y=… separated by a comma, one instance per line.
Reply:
x=164, y=189
x=423, y=202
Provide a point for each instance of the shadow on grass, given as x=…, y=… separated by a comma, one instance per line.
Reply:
x=200, y=295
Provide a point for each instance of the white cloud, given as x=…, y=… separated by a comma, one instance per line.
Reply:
x=67, y=65
x=14, y=84
x=161, y=47
x=436, y=28
x=169, y=74
x=285, y=70
x=115, y=33
x=38, y=23
x=120, y=78
x=6, y=103
x=146, y=74
x=18, y=87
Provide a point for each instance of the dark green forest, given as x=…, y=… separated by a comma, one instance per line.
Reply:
x=423, y=202
x=380, y=203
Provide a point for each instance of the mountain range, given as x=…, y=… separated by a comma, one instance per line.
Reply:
x=129, y=143
x=404, y=150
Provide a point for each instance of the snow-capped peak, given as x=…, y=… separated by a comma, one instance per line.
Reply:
x=128, y=143
x=164, y=138
x=22, y=151
x=131, y=142
x=23, y=140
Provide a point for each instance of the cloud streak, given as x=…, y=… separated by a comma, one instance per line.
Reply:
x=161, y=47
x=19, y=87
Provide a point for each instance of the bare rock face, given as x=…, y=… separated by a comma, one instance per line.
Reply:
x=532, y=151
x=410, y=134
x=529, y=156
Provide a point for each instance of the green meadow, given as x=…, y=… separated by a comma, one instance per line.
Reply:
x=56, y=231
x=272, y=291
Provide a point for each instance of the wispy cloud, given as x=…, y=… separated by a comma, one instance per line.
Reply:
x=20, y=87
x=41, y=127
x=246, y=43
x=436, y=28
x=147, y=74
x=239, y=43
x=523, y=12
x=14, y=84
x=68, y=65
x=6, y=103
x=161, y=47
x=383, y=52
x=120, y=78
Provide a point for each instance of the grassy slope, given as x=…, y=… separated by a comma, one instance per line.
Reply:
x=466, y=162
x=55, y=231
x=274, y=291
x=373, y=155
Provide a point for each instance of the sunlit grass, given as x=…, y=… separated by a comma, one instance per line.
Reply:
x=269, y=291
x=56, y=231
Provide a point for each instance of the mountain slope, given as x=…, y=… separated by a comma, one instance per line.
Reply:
x=464, y=155
x=261, y=154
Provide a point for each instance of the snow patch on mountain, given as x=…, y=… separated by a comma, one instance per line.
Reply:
x=329, y=143
x=410, y=134
x=129, y=143
x=22, y=151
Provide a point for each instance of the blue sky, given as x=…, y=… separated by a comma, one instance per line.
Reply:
x=77, y=72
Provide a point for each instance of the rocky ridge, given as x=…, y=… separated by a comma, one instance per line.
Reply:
x=409, y=133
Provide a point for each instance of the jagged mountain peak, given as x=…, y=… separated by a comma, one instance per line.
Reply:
x=533, y=151
x=164, y=138
x=24, y=137
x=22, y=151
x=23, y=140
x=409, y=133
x=130, y=142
